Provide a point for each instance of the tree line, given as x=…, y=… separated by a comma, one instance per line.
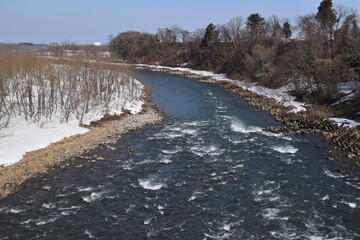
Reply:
x=325, y=53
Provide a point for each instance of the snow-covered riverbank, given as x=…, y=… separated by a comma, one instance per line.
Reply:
x=281, y=95
x=23, y=136
x=41, y=108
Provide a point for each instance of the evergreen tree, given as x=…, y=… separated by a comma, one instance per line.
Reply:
x=211, y=36
x=326, y=15
x=254, y=22
x=287, y=30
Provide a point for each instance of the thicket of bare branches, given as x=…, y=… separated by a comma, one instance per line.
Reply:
x=34, y=88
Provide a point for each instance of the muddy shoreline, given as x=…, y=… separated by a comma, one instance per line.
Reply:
x=340, y=144
x=41, y=161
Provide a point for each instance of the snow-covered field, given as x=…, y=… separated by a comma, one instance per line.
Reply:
x=21, y=136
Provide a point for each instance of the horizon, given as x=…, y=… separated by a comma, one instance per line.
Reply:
x=88, y=21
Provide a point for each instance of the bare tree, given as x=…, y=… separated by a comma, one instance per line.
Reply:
x=233, y=30
x=198, y=34
x=274, y=28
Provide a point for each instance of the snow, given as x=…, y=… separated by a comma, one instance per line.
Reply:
x=347, y=88
x=345, y=122
x=22, y=136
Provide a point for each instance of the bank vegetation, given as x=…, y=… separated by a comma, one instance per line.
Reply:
x=324, y=54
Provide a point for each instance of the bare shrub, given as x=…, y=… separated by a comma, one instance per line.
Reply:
x=34, y=88
x=259, y=64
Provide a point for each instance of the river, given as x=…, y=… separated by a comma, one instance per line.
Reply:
x=208, y=171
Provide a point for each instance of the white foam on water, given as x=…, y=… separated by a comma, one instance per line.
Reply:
x=85, y=189
x=93, y=197
x=273, y=214
x=12, y=210
x=170, y=151
x=177, y=129
x=238, y=126
x=189, y=131
x=219, y=236
x=355, y=185
x=165, y=160
x=202, y=150
x=287, y=138
x=326, y=197
x=147, y=161
x=193, y=197
x=48, y=205
x=127, y=166
x=130, y=208
x=270, y=134
x=180, y=184
x=46, y=221
x=27, y=221
x=196, y=123
x=289, y=161
x=351, y=204
x=333, y=174
x=151, y=184
x=173, y=135
x=88, y=233
x=285, y=149
x=238, y=166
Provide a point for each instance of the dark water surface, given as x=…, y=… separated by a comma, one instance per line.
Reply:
x=208, y=171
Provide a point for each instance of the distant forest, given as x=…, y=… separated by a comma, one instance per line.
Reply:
x=324, y=53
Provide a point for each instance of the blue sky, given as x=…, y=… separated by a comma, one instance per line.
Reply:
x=87, y=21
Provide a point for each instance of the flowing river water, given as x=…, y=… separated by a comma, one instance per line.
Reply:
x=208, y=171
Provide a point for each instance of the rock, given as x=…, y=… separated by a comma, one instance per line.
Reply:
x=46, y=188
x=100, y=158
x=279, y=129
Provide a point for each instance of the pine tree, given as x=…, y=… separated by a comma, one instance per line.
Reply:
x=254, y=22
x=326, y=15
x=287, y=30
x=211, y=36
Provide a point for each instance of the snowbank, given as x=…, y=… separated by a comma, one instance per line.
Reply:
x=345, y=122
x=22, y=136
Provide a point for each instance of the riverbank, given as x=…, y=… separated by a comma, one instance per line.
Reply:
x=101, y=133
x=344, y=140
